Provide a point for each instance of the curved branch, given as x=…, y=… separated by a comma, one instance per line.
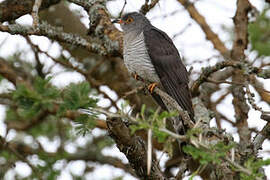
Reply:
x=53, y=33
x=208, y=71
x=210, y=35
x=13, y=9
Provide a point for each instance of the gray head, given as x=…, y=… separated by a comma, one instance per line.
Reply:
x=133, y=21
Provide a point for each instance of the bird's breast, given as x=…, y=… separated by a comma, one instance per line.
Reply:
x=137, y=59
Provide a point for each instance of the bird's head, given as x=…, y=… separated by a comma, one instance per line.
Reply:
x=133, y=21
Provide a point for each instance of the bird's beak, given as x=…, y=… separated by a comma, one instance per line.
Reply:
x=119, y=21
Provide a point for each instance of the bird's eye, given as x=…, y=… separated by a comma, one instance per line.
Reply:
x=129, y=20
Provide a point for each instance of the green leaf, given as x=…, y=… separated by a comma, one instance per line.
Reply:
x=139, y=126
x=161, y=136
x=84, y=124
x=211, y=155
x=46, y=128
x=7, y=155
x=259, y=33
x=254, y=165
x=143, y=110
x=76, y=96
x=45, y=89
x=11, y=115
x=31, y=101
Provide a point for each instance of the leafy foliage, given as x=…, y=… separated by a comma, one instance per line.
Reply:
x=84, y=124
x=154, y=121
x=48, y=128
x=206, y=156
x=43, y=98
x=31, y=101
x=259, y=33
x=76, y=96
x=254, y=167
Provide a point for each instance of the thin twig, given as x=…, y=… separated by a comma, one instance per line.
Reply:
x=182, y=31
x=251, y=100
x=130, y=118
x=96, y=66
x=149, y=151
x=225, y=82
x=34, y=13
x=177, y=136
x=39, y=65
x=147, y=7
x=133, y=91
x=122, y=10
x=208, y=71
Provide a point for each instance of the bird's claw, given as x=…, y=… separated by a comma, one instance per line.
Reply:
x=151, y=87
x=137, y=77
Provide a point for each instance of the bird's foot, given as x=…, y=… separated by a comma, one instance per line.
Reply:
x=136, y=76
x=151, y=87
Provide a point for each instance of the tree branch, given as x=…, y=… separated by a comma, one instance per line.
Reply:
x=147, y=7
x=5, y=145
x=7, y=71
x=210, y=35
x=101, y=25
x=92, y=153
x=134, y=148
x=237, y=54
x=260, y=137
x=206, y=72
x=13, y=9
x=55, y=34
x=34, y=13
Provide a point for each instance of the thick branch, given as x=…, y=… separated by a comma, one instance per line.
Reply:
x=101, y=25
x=240, y=29
x=13, y=9
x=55, y=34
x=240, y=44
x=7, y=71
x=134, y=148
x=72, y=115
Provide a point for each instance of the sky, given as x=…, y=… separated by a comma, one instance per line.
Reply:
x=168, y=16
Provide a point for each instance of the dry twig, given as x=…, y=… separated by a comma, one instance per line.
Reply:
x=34, y=13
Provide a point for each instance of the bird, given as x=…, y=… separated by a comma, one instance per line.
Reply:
x=150, y=54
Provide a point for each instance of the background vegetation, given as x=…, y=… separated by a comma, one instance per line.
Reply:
x=69, y=108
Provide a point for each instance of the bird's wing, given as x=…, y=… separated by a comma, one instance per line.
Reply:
x=169, y=67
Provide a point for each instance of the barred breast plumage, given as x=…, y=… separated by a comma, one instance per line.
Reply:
x=136, y=57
